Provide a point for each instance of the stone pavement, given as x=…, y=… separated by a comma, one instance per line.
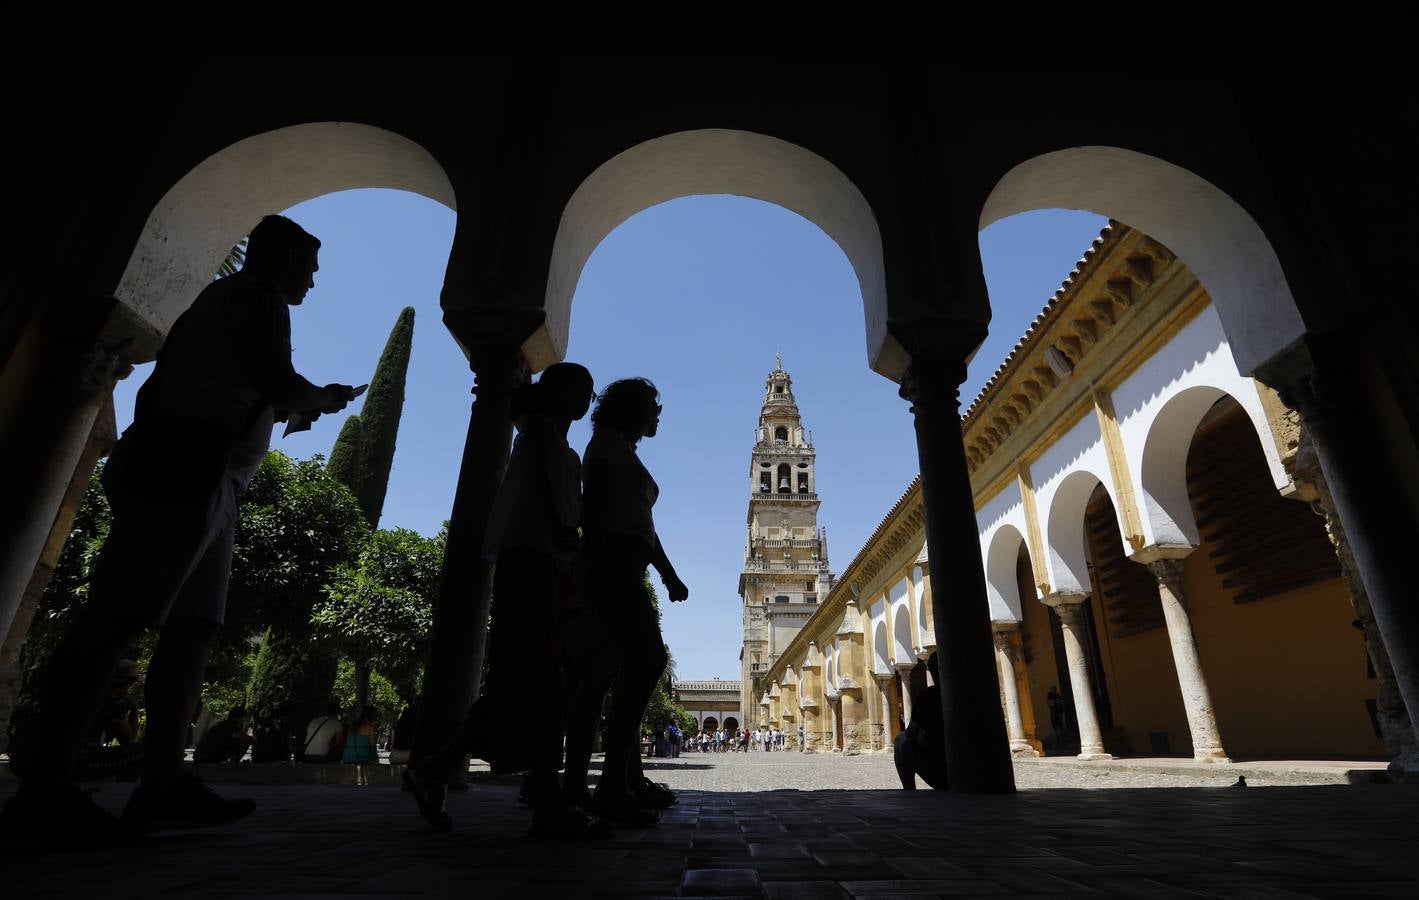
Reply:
x=312, y=841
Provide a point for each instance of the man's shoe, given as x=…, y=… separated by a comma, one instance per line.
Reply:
x=622, y=808
x=430, y=795
x=188, y=803
x=61, y=815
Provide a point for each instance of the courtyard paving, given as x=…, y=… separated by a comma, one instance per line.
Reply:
x=779, y=826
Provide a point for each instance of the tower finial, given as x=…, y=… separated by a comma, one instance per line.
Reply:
x=778, y=363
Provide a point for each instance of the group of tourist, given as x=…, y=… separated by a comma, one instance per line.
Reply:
x=734, y=741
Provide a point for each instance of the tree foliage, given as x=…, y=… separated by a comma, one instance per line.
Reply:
x=297, y=524
x=378, y=609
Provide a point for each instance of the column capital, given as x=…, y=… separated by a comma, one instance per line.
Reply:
x=492, y=336
x=1004, y=636
x=939, y=347
x=1169, y=573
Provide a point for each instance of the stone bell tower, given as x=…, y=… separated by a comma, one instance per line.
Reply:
x=786, y=552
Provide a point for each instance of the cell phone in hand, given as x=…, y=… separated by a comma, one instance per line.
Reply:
x=358, y=391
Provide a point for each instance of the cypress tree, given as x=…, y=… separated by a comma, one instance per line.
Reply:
x=378, y=424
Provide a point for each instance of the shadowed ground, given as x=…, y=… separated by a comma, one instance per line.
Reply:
x=364, y=842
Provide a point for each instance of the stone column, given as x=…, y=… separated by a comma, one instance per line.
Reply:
x=977, y=750
x=811, y=691
x=1166, y=564
x=1070, y=608
x=47, y=457
x=454, y=673
x=1400, y=736
x=1378, y=535
x=904, y=671
x=854, y=717
x=1005, y=654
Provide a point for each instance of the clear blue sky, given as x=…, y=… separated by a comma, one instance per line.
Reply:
x=698, y=295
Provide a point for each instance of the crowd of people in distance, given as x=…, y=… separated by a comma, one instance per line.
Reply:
x=719, y=740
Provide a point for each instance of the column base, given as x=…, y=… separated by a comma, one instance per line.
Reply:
x=1404, y=769
x=1211, y=756
x=1024, y=750
x=1094, y=755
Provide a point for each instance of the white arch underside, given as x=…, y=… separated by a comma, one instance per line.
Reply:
x=1217, y=239
x=711, y=161
x=202, y=217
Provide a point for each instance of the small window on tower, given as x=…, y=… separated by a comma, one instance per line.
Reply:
x=781, y=434
x=781, y=598
x=808, y=585
x=802, y=482
x=778, y=389
x=810, y=598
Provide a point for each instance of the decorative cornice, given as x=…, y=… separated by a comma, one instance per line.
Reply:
x=1109, y=282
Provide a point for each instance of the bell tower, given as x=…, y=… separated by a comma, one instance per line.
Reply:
x=786, y=552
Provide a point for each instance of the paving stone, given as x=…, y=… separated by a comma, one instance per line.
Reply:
x=805, y=890
x=721, y=882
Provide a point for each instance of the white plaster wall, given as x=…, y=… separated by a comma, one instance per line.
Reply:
x=1158, y=409
x=1064, y=476
x=201, y=218
x=903, y=650
x=1217, y=239
x=926, y=636
x=881, y=651
x=713, y=161
x=1002, y=517
x=899, y=610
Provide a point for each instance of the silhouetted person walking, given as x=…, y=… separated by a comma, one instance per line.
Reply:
x=202, y=424
x=921, y=749
x=620, y=542
x=532, y=533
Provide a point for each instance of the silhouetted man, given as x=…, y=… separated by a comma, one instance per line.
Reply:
x=201, y=426
x=921, y=749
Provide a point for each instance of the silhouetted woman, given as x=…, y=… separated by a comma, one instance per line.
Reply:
x=619, y=543
x=532, y=533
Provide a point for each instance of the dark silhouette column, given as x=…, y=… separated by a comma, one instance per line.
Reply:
x=453, y=676
x=977, y=751
x=1333, y=405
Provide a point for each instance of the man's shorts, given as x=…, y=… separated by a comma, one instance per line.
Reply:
x=164, y=559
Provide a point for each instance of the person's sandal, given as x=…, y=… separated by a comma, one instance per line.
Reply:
x=567, y=823
x=430, y=796
x=654, y=795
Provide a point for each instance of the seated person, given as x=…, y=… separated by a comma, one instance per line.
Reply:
x=111, y=748
x=324, y=737
x=921, y=749
x=360, y=742
x=227, y=741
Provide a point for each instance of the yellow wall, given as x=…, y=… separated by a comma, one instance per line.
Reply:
x=1143, y=691
x=1287, y=673
x=1037, y=652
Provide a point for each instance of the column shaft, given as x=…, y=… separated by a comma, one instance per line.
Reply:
x=1197, y=699
x=977, y=750
x=453, y=677
x=1010, y=689
x=1071, y=617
